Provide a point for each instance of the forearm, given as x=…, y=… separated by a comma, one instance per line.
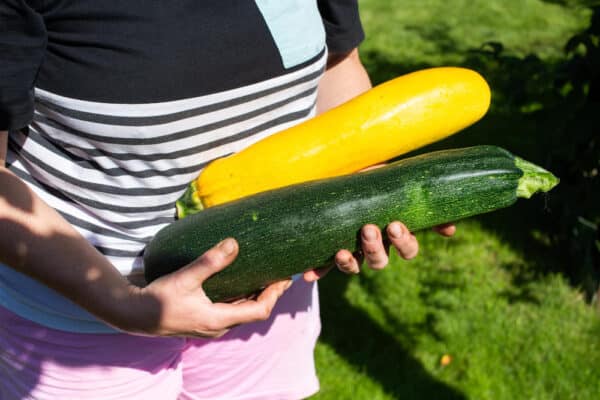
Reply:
x=344, y=78
x=35, y=240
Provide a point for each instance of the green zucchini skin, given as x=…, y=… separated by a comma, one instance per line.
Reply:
x=300, y=227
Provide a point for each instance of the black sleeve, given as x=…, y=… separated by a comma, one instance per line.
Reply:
x=342, y=24
x=22, y=46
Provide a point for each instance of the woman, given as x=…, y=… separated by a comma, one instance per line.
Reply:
x=107, y=110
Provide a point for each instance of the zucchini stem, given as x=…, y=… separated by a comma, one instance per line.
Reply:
x=189, y=203
x=535, y=179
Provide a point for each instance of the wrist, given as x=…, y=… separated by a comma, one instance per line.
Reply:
x=138, y=313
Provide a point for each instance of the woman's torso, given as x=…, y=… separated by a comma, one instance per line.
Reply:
x=133, y=99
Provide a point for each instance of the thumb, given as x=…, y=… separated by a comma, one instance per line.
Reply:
x=209, y=263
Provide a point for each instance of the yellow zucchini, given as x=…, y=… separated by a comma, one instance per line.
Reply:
x=391, y=119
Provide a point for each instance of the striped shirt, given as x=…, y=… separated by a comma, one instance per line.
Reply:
x=114, y=171
x=124, y=103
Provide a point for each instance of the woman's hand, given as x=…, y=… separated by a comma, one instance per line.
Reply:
x=176, y=305
x=374, y=251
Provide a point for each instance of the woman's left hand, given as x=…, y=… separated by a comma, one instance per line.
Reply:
x=375, y=251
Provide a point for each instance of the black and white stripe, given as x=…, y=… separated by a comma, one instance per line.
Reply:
x=114, y=171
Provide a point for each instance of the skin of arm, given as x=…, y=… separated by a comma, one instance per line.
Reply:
x=35, y=240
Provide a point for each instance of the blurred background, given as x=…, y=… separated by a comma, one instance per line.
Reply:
x=508, y=308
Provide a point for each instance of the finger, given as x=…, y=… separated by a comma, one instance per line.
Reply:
x=252, y=310
x=373, y=248
x=209, y=263
x=445, y=229
x=403, y=240
x=346, y=262
x=316, y=274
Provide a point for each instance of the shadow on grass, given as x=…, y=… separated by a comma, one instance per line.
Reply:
x=364, y=344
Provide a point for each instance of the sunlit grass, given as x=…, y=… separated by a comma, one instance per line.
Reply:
x=442, y=32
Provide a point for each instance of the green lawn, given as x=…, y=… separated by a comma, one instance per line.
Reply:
x=500, y=298
x=434, y=32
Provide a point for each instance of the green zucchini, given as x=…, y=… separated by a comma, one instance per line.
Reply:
x=299, y=227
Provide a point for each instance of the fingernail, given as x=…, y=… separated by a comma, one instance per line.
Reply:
x=395, y=231
x=227, y=246
x=369, y=234
x=343, y=263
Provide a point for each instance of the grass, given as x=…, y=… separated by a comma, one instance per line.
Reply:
x=434, y=32
x=498, y=298
x=511, y=334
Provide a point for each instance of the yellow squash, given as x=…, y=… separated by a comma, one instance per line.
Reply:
x=391, y=119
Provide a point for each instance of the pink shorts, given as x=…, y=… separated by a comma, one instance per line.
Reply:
x=266, y=360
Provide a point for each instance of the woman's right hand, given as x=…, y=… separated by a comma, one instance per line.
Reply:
x=34, y=239
x=176, y=305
